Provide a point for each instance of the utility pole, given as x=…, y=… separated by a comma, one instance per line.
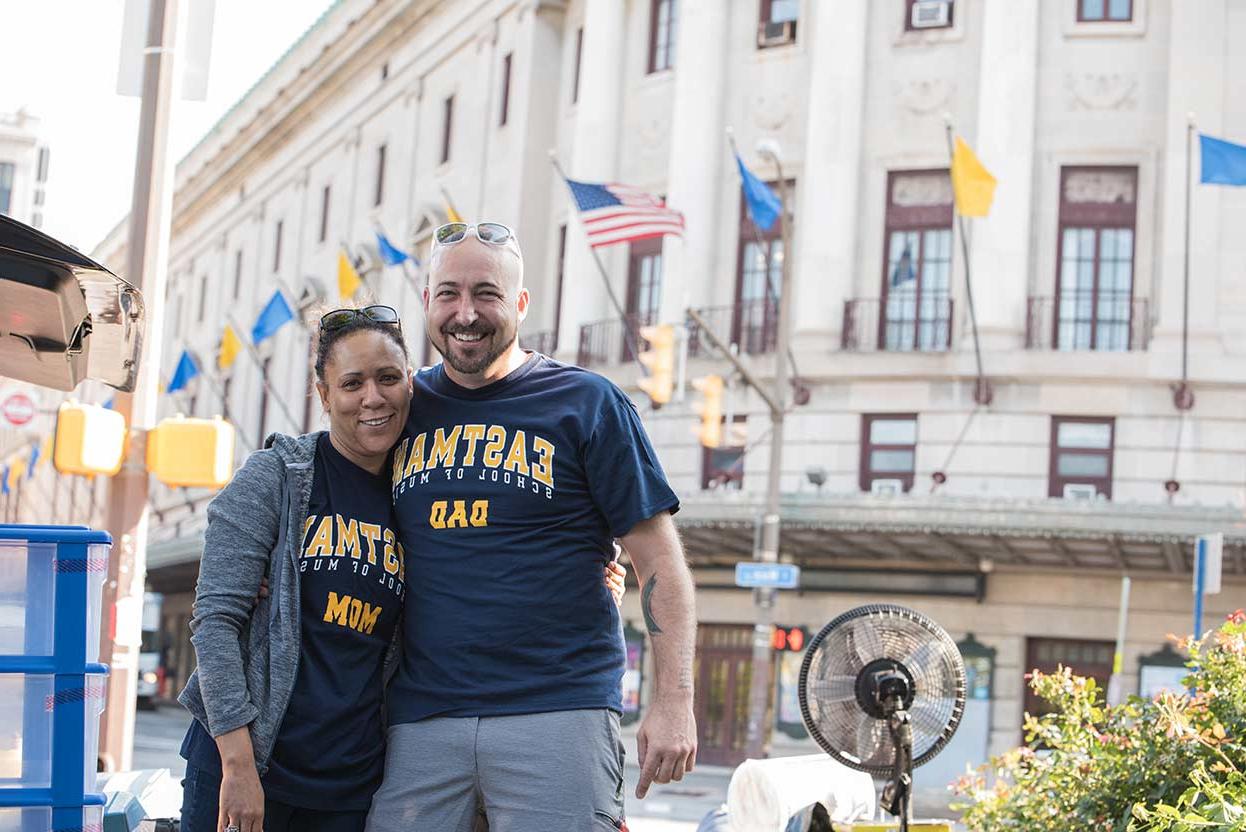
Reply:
x=147, y=268
x=767, y=547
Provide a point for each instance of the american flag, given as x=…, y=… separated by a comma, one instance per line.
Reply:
x=614, y=213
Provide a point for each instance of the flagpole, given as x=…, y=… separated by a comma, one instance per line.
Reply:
x=1183, y=398
x=774, y=291
x=259, y=363
x=982, y=393
x=628, y=335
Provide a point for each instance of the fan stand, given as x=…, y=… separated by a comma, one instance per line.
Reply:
x=897, y=797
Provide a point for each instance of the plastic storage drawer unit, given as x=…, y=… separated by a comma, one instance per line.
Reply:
x=51, y=683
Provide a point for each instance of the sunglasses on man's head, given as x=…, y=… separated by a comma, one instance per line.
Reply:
x=493, y=233
x=339, y=318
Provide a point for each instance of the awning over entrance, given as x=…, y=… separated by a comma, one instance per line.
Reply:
x=933, y=532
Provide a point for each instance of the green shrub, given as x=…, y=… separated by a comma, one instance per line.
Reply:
x=1148, y=765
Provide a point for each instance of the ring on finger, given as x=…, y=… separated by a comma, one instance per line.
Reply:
x=233, y=827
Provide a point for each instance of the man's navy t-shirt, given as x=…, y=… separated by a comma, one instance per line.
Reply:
x=330, y=750
x=508, y=498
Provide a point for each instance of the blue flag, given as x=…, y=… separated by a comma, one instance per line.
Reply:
x=275, y=315
x=4, y=480
x=390, y=253
x=186, y=370
x=1224, y=163
x=108, y=404
x=34, y=460
x=763, y=203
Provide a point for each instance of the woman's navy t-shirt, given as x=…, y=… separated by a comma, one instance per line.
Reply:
x=508, y=499
x=330, y=750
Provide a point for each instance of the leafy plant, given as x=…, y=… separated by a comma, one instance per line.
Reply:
x=1145, y=765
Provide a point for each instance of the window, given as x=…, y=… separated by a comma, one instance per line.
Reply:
x=1081, y=457
x=575, y=71
x=759, y=278
x=41, y=169
x=777, y=23
x=1090, y=659
x=662, y=30
x=723, y=467
x=1094, y=287
x=226, y=383
x=888, y=451
x=644, y=285
x=263, y=400
x=920, y=15
x=562, y=266
x=237, y=273
x=917, y=262
x=447, y=123
x=203, y=299
x=385, y=70
x=277, y=247
x=6, y=186
x=380, y=176
x=506, y=89
x=1099, y=11
x=38, y=196
x=324, y=212
x=36, y=220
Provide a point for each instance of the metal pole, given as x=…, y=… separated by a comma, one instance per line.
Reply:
x=1115, y=684
x=768, y=551
x=1183, y=399
x=1200, y=581
x=147, y=263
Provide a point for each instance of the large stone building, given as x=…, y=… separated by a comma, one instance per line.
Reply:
x=23, y=168
x=1080, y=469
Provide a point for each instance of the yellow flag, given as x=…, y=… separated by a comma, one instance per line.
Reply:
x=16, y=468
x=972, y=183
x=45, y=449
x=348, y=280
x=230, y=347
x=451, y=214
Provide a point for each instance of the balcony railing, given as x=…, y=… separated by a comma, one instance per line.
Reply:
x=605, y=342
x=753, y=326
x=544, y=341
x=899, y=326
x=1102, y=321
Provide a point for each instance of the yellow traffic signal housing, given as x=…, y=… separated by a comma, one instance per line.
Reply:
x=660, y=361
x=191, y=453
x=89, y=440
x=711, y=410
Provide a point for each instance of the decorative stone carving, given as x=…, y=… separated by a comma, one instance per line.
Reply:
x=918, y=190
x=924, y=96
x=1100, y=187
x=1102, y=91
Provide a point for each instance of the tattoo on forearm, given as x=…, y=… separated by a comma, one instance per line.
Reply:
x=646, y=605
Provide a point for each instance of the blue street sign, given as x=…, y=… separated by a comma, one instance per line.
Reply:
x=774, y=575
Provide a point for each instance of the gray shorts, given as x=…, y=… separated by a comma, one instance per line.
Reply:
x=552, y=772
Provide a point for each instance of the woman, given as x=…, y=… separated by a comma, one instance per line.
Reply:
x=288, y=731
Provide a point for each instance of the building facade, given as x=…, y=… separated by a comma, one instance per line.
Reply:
x=24, y=159
x=1007, y=510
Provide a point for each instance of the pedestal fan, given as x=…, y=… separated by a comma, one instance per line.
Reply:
x=882, y=689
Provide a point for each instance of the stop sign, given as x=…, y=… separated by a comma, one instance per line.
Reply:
x=18, y=409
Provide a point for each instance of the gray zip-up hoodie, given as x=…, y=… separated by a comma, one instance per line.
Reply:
x=248, y=656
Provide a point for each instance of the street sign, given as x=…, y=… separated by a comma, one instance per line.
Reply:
x=18, y=409
x=1209, y=550
x=771, y=575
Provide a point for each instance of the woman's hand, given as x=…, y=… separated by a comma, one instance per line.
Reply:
x=242, y=796
x=615, y=574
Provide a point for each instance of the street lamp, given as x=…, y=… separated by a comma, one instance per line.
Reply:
x=767, y=546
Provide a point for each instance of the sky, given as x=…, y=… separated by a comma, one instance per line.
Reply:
x=60, y=61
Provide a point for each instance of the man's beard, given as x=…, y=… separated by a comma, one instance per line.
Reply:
x=469, y=367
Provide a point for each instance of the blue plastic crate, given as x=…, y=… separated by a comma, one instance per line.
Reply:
x=51, y=683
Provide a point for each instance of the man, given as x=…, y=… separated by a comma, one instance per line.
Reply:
x=515, y=475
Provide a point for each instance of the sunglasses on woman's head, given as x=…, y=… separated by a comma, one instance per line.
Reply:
x=493, y=233
x=339, y=318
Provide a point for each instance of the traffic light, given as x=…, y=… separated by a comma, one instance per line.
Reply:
x=660, y=360
x=193, y=453
x=89, y=440
x=711, y=409
x=789, y=639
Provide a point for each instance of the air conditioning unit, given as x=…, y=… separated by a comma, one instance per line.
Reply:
x=1080, y=491
x=312, y=293
x=776, y=33
x=887, y=488
x=368, y=258
x=931, y=14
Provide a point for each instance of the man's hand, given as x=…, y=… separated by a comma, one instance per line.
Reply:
x=667, y=741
